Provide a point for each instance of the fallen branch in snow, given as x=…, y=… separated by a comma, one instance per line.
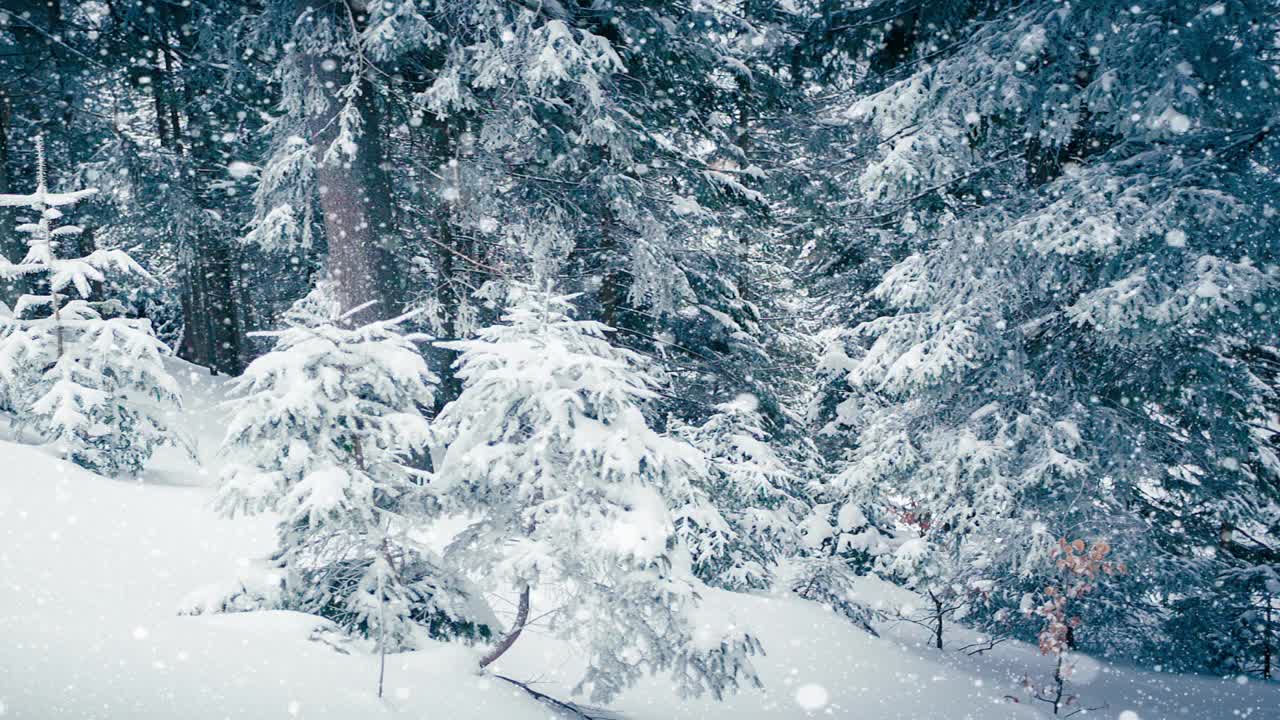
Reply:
x=574, y=710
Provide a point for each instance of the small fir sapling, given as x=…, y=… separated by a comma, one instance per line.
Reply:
x=92, y=383
x=548, y=448
x=837, y=545
x=322, y=433
x=1022, y=350
x=745, y=517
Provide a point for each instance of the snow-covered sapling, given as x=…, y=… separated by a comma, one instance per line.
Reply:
x=322, y=433
x=836, y=546
x=745, y=516
x=549, y=449
x=932, y=573
x=93, y=384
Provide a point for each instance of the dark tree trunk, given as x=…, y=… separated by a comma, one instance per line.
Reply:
x=5, y=112
x=1045, y=163
x=1059, y=685
x=354, y=191
x=938, y=612
x=11, y=245
x=1266, y=641
x=897, y=44
x=30, y=83
x=450, y=290
x=743, y=141
x=613, y=291
x=212, y=333
x=159, y=103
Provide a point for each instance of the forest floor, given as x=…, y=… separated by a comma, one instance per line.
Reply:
x=94, y=570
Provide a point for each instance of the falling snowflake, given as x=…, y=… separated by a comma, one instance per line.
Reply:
x=812, y=696
x=240, y=170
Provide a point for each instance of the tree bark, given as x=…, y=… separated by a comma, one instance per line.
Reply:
x=1266, y=641
x=22, y=96
x=354, y=189
x=938, y=613
x=522, y=617
x=743, y=141
x=612, y=281
x=11, y=246
x=159, y=107
x=450, y=292
x=745, y=90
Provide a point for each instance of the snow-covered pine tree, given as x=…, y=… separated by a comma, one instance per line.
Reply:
x=837, y=544
x=611, y=127
x=322, y=433
x=1079, y=198
x=1233, y=625
x=92, y=383
x=549, y=447
x=745, y=517
x=944, y=590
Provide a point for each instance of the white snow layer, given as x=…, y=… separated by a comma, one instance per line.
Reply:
x=93, y=572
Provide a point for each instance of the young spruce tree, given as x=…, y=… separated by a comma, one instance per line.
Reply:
x=745, y=517
x=548, y=447
x=323, y=432
x=93, y=384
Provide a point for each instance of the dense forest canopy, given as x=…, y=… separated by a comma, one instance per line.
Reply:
x=978, y=296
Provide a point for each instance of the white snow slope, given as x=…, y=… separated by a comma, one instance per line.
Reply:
x=92, y=571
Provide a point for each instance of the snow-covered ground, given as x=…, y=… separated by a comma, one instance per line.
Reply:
x=93, y=570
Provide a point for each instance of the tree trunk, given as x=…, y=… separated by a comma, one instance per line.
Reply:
x=354, y=189
x=211, y=334
x=382, y=601
x=21, y=96
x=612, y=282
x=522, y=616
x=208, y=264
x=450, y=289
x=11, y=245
x=5, y=111
x=165, y=87
x=159, y=106
x=1266, y=641
x=938, y=613
x=1059, y=685
x=743, y=141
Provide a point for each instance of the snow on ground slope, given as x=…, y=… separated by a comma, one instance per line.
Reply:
x=92, y=571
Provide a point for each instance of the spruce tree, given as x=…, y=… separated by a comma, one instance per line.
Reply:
x=744, y=519
x=323, y=433
x=90, y=381
x=1077, y=278
x=549, y=447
